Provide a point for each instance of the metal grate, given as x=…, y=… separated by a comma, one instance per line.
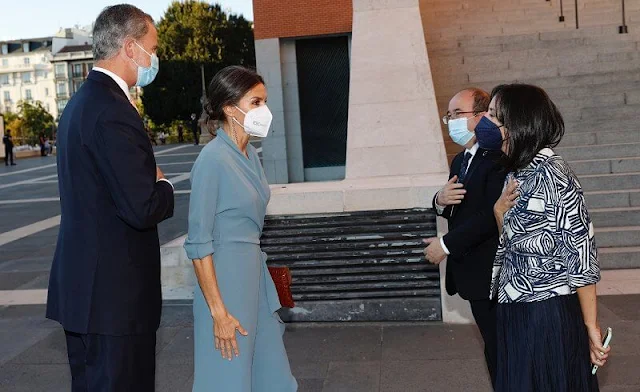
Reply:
x=359, y=266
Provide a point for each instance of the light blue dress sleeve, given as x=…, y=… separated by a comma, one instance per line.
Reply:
x=203, y=204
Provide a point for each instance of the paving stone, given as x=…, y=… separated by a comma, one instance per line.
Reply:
x=453, y=375
x=353, y=377
x=437, y=341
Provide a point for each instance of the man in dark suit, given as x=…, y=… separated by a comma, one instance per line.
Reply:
x=7, y=140
x=466, y=201
x=105, y=279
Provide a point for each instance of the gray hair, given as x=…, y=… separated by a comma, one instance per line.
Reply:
x=114, y=25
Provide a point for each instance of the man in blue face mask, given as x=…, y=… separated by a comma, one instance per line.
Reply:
x=105, y=278
x=466, y=201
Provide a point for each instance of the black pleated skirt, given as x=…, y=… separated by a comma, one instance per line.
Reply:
x=543, y=347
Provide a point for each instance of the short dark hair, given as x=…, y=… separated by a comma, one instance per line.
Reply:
x=227, y=87
x=480, y=100
x=8, y=130
x=497, y=89
x=114, y=24
x=531, y=120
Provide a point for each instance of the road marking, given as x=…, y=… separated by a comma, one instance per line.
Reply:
x=184, y=154
x=28, y=170
x=37, y=227
x=30, y=181
x=23, y=297
x=164, y=152
x=176, y=163
x=28, y=230
x=25, y=201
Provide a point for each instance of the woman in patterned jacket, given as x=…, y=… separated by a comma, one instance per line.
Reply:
x=546, y=266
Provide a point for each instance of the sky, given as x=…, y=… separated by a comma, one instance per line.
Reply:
x=42, y=18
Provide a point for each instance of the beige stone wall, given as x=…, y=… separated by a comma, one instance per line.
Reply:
x=484, y=43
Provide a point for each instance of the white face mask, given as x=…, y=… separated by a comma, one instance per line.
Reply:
x=256, y=121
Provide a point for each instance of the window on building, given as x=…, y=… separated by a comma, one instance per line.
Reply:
x=61, y=88
x=61, y=71
x=7, y=96
x=5, y=48
x=77, y=70
x=4, y=79
x=27, y=61
x=46, y=92
x=76, y=85
x=26, y=77
x=61, y=104
x=89, y=66
x=5, y=62
x=25, y=47
x=48, y=107
x=27, y=93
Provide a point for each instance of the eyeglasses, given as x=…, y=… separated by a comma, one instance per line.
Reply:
x=449, y=117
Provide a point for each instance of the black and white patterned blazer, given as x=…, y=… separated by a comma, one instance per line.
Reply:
x=547, y=247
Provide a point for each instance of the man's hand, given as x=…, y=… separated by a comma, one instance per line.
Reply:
x=452, y=193
x=434, y=252
x=159, y=173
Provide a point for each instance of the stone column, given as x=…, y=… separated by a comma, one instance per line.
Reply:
x=274, y=147
x=394, y=124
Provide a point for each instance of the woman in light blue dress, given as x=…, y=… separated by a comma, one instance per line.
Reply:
x=238, y=334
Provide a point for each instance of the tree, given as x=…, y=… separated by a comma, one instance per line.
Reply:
x=194, y=36
x=34, y=120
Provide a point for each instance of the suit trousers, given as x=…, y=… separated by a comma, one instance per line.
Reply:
x=484, y=312
x=105, y=363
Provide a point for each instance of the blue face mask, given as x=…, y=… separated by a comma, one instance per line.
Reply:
x=146, y=75
x=459, y=131
x=488, y=134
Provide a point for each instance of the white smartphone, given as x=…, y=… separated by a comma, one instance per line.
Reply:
x=605, y=344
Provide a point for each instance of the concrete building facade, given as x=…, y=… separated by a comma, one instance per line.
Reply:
x=27, y=72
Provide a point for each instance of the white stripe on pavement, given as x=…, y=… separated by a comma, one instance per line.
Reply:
x=37, y=227
x=30, y=181
x=28, y=230
x=28, y=170
x=164, y=152
x=23, y=297
x=176, y=163
x=21, y=201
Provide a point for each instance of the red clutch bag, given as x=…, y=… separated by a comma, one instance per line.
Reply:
x=282, y=278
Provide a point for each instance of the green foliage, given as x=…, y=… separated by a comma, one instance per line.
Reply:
x=194, y=35
x=31, y=120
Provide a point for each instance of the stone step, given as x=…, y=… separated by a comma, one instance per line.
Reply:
x=598, y=113
x=625, y=236
x=604, y=151
x=618, y=181
x=575, y=139
x=615, y=217
x=619, y=258
x=602, y=126
x=605, y=166
x=613, y=198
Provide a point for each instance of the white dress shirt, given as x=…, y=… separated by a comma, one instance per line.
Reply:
x=125, y=89
x=473, y=150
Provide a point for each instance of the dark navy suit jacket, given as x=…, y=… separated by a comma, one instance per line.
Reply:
x=105, y=277
x=473, y=233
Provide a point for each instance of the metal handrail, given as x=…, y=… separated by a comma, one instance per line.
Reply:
x=624, y=29
x=577, y=19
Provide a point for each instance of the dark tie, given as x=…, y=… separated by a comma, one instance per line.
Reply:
x=464, y=166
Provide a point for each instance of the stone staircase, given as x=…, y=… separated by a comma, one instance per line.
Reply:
x=592, y=74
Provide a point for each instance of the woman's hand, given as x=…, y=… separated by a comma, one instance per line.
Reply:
x=224, y=332
x=599, y=354
x=507, y=200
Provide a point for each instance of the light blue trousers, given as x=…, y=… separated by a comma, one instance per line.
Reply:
x=263, y=365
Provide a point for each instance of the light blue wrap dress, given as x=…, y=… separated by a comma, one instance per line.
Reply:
x=229, y=197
